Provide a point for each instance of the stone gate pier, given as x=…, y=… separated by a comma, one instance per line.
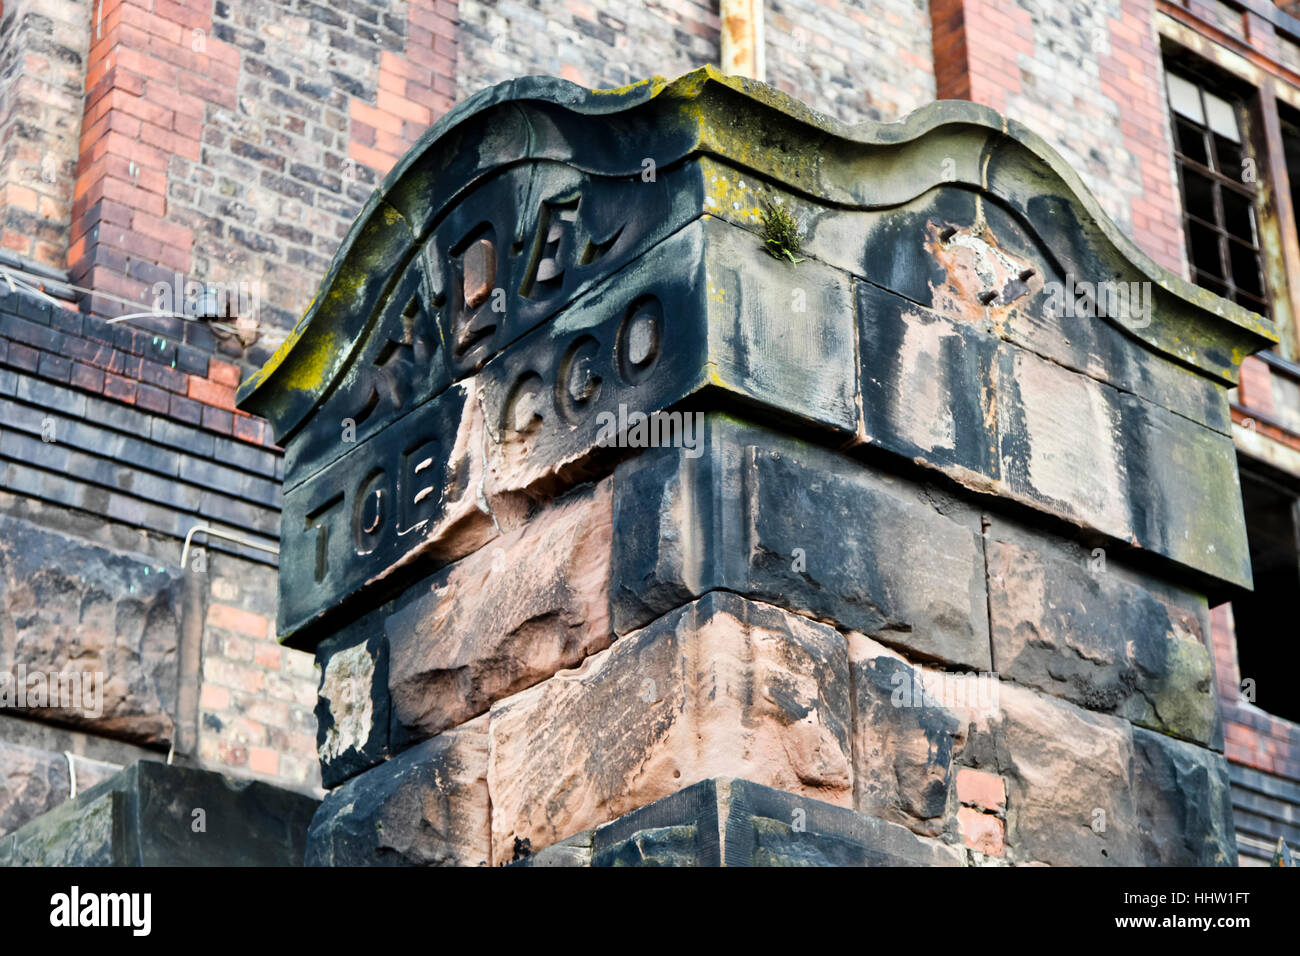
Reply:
x=677, y=476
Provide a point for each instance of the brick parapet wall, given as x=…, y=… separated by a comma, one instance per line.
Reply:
x=125, y=365
x=257, y=698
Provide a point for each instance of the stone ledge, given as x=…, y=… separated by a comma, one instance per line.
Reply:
x=726, y=821
x=147, y=815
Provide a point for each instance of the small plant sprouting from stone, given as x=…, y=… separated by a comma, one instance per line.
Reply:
x=781, y=233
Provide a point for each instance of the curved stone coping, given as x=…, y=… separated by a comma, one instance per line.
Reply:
x=752, y=126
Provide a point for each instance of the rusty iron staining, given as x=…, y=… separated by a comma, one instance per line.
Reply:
x=975, y=268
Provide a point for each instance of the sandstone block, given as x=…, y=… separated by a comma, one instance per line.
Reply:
x=1099, y=640
x=721, y=686
x=105, y=623
x=428, y=806
x=1069, y=795
x=1184, y=803
x=783, y=521
x=1003, y=421
x=509, y=615
x=31, y=782
x=904, y=741
x=732, y=822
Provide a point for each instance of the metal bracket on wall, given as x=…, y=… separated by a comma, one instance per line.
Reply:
x=228, y=536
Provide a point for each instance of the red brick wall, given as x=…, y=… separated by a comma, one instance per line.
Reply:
x=146, y=94
x=234, y=144
x=1075, y=77
x=43, y=46
x=414, y=88
x=257, y=699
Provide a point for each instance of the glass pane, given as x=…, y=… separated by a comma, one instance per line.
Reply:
x=1185, y=98
x=1203, y=248
x=1206, y=281
x=1221, y=116
x=1229, y=154
x=1245, y=269
x=1239, y=216
x=1198, y=195
x=1191, y=141
x=1252, y=303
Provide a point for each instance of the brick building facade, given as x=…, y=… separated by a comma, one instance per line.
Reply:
x=232, y=143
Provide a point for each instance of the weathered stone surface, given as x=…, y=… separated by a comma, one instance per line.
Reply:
x=575, y=851
x=544, y=125
x=106, y=623
x=928, y=385
x=31, y=782
x=789, y=831
x=509, y=615
x=784, y=521
x=35, y=781
x=1003, y=421
x=781, y=337
x=684, y=320
x=428, y=806
x=561, y=404
x=563, y=300
x=152, y=814
x=904, y=742
x=1070, y=800
x=947, y=248
x=681, y=829
x=412, y=489
x=353, y=709
x=466, y=293
x=1183, y=801
x=455, y=649
x=72, y=834
x=620, y=285
x=1100, y=640
x=733, y=822
x=1009, y=770
x=721, y=686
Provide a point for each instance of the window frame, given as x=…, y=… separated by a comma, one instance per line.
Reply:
x=1226, y=285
